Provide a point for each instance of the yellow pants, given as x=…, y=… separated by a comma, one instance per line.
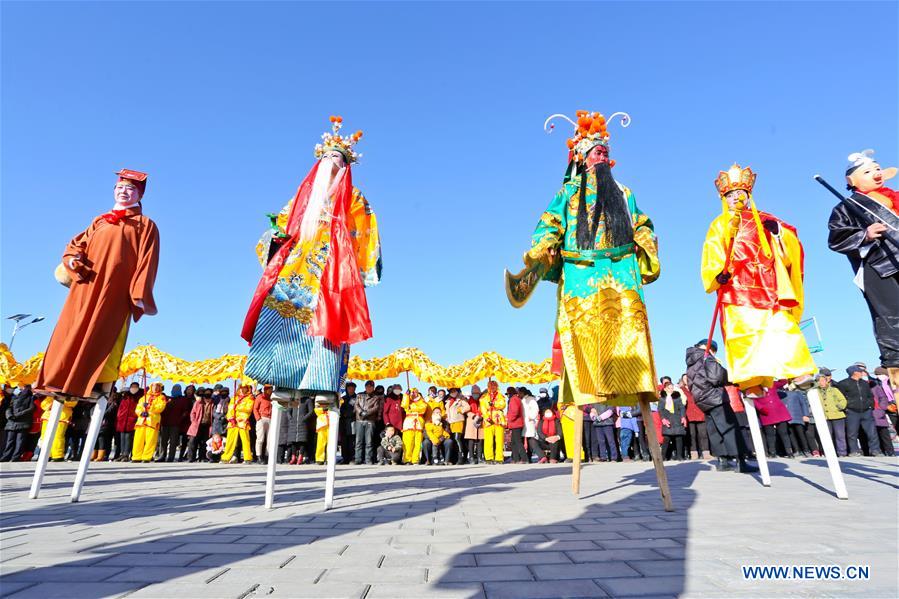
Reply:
x=412, y=446
x=494, y=439
x=58, y=447
x=231, y=444
x=321, y=445
x=568, y=433
x=110, y=372
x=145, y=438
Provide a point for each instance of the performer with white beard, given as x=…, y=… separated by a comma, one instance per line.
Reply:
x=322, y=251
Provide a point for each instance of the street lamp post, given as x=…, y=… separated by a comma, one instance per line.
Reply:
x=18, y=318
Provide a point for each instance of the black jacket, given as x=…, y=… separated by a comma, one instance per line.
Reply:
x=19, y=410
x=847, y=235
x=858, y=394
x=301, y=421
x=706, y=378
x=675, y=416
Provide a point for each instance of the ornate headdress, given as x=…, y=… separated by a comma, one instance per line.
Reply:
x=136, y=178
x=334, y=141
x=590, y=131
x=735, y=178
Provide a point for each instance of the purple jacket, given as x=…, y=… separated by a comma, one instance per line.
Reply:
x=882, y=399
x=770, y=407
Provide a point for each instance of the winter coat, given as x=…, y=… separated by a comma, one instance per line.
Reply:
x=555, y=428
x=707, y=379
x=393, y=444
x=492, y=407
x=220, y=415
x=605, y=415
x=859, y=397
x=833, y=401
x=347, y=419
x=262, y=407
x=531, y=415
x=393, y=413
x=515, y=413
x=797, y=405
x=694, y=414
x=196, y=417
x=881, y=401
x=301, y=421
x=474, y=422
x=110, y=415
x=368, y=408
x=125, y=417
x=771, y=408
x=174, y=411
x=284, y=428
x=19, y=410
x=675, y=415
x=627, y=418
x=455, y=410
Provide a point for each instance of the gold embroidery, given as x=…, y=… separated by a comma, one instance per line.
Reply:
x=288, y=310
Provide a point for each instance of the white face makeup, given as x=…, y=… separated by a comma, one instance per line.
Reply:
x=736, y=199
x=125, y=194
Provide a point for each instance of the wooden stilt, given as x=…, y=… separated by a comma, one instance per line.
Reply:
x=756, y=432
x=833, y=464
x=93, y=432
x=576, y=458
x=273, y=432
x=656, y=452
x=333, y=423
x=46, y=447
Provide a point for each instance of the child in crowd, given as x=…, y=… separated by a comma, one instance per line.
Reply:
x=215, y=446
x=390, y=451
x=437, y=438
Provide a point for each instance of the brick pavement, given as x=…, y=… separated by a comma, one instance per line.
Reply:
x=189, y=530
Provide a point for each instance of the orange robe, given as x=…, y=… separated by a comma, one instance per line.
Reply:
x=122, y=258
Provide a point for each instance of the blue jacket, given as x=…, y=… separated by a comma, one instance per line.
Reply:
x=797, y=404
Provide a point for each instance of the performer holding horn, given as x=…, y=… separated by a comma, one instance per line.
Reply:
x=865, y=227
x=754, y=262
x=600, y=248
x=322, y=251
x=110, y=269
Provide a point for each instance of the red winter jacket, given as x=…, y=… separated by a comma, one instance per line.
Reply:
x=515, y=414
x=393, y=412
x=694, y=414
x=125, y=417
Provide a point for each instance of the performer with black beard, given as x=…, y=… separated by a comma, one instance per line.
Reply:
x=596, y=244
x=867, y=231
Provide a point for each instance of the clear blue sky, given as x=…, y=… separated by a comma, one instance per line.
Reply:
x=222, y=103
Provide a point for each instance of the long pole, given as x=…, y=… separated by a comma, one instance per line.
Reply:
x=727, y=261
x=408, y=384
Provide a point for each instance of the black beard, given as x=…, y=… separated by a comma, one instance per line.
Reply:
x=611, y=208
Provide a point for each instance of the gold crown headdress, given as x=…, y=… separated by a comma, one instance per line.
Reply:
x=735, y=178
x=590, y=131
x=333, y=140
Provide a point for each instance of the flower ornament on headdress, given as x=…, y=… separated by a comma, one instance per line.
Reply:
x=590, y=130
x=333, y=140
x=733, y=178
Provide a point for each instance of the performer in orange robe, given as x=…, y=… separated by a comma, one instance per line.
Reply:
x=110, y=268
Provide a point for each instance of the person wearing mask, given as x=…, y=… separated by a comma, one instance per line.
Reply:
x=544, y=400
x=673, y=413
x=415, y=407
x=883, y=399
x=393, y=413
x=19, y=408
x=347, y=424
x=697, y=435
x=775, y=418
x=549, y=436
x=390, y=451
x=627, y=430
x=859, y=410
x=602, y=420
x=456, y=407
x=301, y=427
x=437, y=438
x=707, y=379
x=149, y=418
x=170, y=430
x=834, y=405
x=802, y=436
x=366, y=412
x=474, y=426
x=239, y=413
x=103, y=447
x=515, y=424
x=126, y=419
x=200, y=425
x=531, y=412
x=436, y=399
x=262, y=412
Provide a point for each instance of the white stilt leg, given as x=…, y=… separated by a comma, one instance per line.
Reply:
x=756, y=432
x=46, y=446
x=833, y=464
x=333, y=423
x=93, y=432
x=273, y=431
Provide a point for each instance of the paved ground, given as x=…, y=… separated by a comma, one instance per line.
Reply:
x=179, y=530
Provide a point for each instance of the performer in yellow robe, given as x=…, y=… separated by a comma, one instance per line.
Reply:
x=58, y=447
x=492, y=405
x=413, y=425
x=761, y=288
x=322, y=427
x=239, y=412
x=149, y=417
x=568, y=423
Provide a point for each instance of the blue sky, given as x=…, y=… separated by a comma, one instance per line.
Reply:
x=222, y=103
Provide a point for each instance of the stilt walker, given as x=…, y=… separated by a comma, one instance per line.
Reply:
x=320, y=253
x=600, y=248
x=110, y=269
x=753, y=261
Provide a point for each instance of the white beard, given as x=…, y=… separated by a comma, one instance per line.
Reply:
x=319, y=199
